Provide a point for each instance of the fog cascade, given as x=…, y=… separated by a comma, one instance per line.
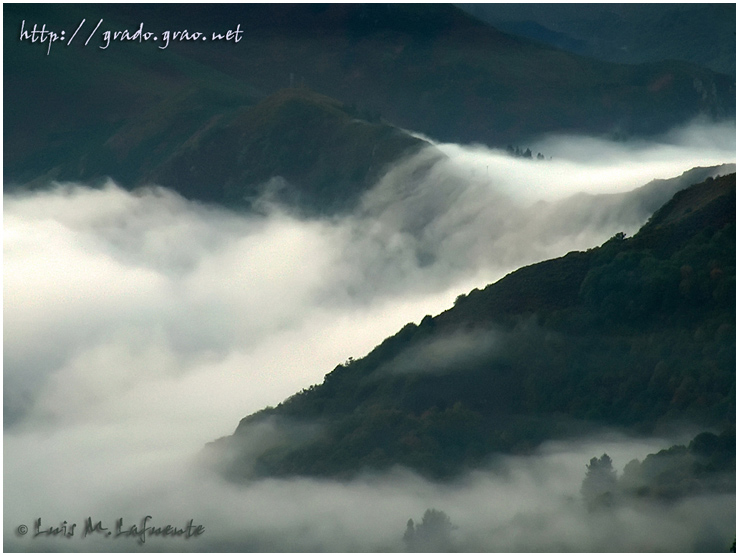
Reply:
x=139, y=326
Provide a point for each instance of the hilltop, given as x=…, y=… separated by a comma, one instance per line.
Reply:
x=136, y=113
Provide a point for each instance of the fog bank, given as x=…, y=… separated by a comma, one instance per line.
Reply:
x=140, y=326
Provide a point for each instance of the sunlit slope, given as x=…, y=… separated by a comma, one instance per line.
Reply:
x=638, y=333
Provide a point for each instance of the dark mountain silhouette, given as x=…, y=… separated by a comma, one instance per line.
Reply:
x=136, y=112
x=295, y=146
x=704, y=34
x=638, y=334
x=322, y=155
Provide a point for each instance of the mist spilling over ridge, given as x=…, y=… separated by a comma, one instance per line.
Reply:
x=370, y=278
x=430, y=68
x=146, y=325
x=576, y=341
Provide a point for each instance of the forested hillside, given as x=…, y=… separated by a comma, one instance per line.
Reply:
x=636, y=334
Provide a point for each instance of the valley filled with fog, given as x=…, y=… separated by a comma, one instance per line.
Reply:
x=139, y=326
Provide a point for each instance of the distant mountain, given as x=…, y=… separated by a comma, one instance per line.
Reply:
x=704, y=34
x=135, y=111
x=638, y=334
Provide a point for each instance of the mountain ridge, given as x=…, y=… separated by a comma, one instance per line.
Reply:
x=430, y=68
x=549, y=350
x=625, y=33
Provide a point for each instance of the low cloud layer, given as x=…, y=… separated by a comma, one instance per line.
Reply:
x=450, y=353
x=526, y=504
x=140, y=326
x=576, y=163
